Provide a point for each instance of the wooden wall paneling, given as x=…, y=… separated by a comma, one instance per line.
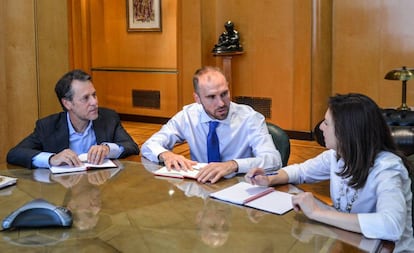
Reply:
x=397, y=50
x=139, y=57
x=115, y=91
x=356, y=47
x=368, y=45
x=273, y=51
x=113, y=46
x=280, y=38
x=301, y=95
x=321, y=58
x=209, y=33
x=18, y=72
x=79, y=35
x=189, y=34
x=276, y=63
x=4, y=128
x=53, y=61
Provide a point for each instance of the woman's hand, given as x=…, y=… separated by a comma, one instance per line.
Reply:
x=305, y=202
x=257, y=176
x=318, y=211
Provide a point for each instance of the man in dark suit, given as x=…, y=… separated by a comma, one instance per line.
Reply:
x=81, y=128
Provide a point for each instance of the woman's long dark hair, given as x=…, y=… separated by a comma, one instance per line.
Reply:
x=362, y=133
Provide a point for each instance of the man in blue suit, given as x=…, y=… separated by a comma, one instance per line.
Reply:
x=81, y=128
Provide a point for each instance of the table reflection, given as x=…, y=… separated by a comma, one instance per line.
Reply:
x=214, y=222
x=214, y=219
x=130, y=210
x=306, y=230
x=83, y=197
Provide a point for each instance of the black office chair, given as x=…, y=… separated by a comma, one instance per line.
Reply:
x=401, y=124
x=281, y=141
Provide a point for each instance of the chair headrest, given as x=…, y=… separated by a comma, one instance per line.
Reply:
x=395, y=117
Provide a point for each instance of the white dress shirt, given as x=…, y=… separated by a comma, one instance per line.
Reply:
x=243, y=137
x=384, y=203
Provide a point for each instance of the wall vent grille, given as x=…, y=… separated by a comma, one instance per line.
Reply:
x=146, y=99
x=262, y=105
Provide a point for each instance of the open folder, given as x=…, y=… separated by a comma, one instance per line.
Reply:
x=164, y=172
x=107, y=163
x=259, y=197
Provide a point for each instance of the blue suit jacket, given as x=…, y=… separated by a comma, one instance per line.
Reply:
x=51, y=134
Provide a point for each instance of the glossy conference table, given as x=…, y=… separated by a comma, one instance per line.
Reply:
x=130, y=210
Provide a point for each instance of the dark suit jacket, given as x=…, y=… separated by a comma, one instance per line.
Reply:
x=51, y=134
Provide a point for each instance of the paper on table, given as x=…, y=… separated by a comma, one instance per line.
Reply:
x=275, y=202
x=259, y=197
x=180, y=173
x=86, y=166
x=7, y=181
x=241, y=193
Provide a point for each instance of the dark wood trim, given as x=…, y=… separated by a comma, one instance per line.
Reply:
x=297, y=135
x=130, y=69
x=141, y=118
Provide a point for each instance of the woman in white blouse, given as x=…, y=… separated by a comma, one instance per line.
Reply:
x=370, y=184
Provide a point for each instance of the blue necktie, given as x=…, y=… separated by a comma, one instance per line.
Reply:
x=213, y=150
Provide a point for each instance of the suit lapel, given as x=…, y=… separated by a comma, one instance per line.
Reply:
x=62, y=132
x=99, y=128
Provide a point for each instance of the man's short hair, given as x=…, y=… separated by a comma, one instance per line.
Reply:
x=201, y=71
x=63, y=87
